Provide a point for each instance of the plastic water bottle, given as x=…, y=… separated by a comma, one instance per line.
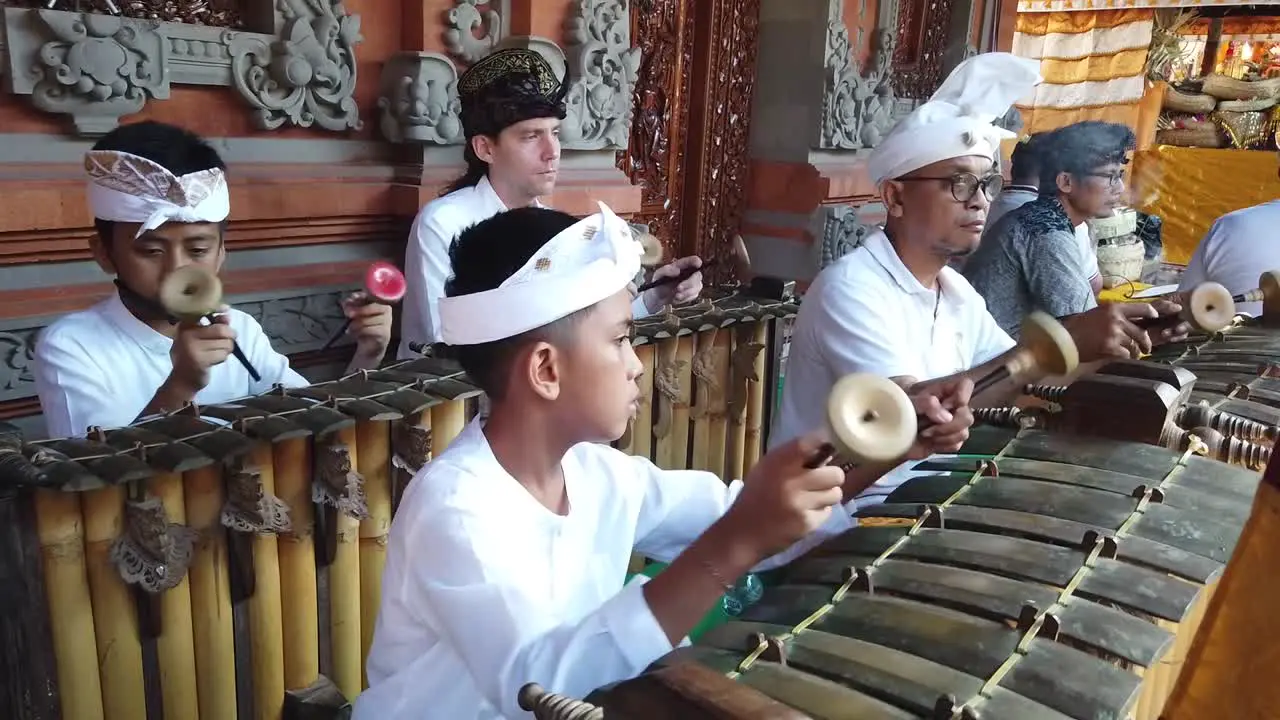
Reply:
x=746, y=592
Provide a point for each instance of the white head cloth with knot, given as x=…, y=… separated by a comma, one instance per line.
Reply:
x=957, y=120
x=586, y=263
x=124, y=187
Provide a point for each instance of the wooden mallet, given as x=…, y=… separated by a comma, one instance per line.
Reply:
x=383, y=283
x=1208, y=307
x=191, y=293
x=871, y=418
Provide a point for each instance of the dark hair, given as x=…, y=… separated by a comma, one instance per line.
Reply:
x=1024, y=163
x=476, y=170
x=179, y=151
x=1082, y=148
x=482, y=257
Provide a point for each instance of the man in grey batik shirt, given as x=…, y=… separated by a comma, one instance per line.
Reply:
x=1031, y=258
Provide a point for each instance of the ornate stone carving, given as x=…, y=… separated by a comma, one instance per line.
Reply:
x=419, y=100
x=95, y=68
x=653, y=158
x=307, y=75
x=858, y=108
x=296, y=324
x=18, y=355
x=842, y=232
x=604, y=68
x=462, y=37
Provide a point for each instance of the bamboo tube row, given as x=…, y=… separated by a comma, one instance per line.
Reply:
x=715, y=410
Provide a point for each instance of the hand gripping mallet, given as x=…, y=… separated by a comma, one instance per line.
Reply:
x=191, y=293
x=383, y=283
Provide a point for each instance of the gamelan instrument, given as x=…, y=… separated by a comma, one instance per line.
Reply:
x=1208, y=307
x=1041, y=577
x=383, y=283
x=871, y=419
x=225, y=560
x=738, y=253
x=191, y=294
x=1267, y=292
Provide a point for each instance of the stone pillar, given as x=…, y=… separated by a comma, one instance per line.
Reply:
x=816, y=115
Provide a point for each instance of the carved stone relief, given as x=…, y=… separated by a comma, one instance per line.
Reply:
x=842, y=232
x=475, y=26
x=96, y=68
x=859, y=106
x=419, y=99
x=601, y=64
x=604, y=69
x=307, y=75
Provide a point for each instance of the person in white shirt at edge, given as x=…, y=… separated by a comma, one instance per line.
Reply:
x=1024, y=175
x=1239, y=247
x=512, y=105
x=506, y=557
x=892, y=307
x=159, y=198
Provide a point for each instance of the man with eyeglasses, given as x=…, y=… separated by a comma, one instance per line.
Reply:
x=1024, y=175
x=892, y=306
x=1032, y=260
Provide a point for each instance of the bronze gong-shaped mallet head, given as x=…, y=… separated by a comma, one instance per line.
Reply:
x=192, y=293
x=1208, y=307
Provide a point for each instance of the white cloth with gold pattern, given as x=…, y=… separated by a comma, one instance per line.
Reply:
x=586, y=263
x=957, y=120
x=124, y=187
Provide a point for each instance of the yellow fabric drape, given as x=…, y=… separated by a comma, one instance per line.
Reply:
x=1190, y=188
x=1093, y=64
x=1039, y=6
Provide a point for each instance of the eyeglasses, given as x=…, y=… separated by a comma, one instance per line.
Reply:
x=1113, y=179
x=964, y=185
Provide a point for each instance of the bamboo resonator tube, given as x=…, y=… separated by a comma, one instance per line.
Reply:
x=871, y=418
x=1208, y=307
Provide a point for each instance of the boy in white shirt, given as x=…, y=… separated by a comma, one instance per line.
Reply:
x=160, y=201
x=507, y=555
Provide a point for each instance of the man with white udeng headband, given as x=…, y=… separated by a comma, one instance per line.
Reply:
x=893, y=307
x=160, y=202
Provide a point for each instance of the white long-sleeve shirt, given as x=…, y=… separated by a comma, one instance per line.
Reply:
x=101, y=367
x=427, y=265
x=485, y=589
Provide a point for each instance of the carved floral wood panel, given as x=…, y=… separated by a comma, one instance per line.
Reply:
x=663, y=30
x=922, y=41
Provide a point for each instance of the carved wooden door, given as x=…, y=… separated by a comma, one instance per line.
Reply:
x=690, y=128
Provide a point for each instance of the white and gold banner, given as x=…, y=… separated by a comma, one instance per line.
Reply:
x=1093, y=65
x=1030, y=6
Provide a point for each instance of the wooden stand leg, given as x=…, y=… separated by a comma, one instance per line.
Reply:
x=27, y=673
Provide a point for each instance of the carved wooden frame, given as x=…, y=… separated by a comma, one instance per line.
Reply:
x=98, y=68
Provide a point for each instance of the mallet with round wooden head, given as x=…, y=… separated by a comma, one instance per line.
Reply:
x=1268, y=290
x=1208, y=307
x=191, y=293
x=383, y=283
